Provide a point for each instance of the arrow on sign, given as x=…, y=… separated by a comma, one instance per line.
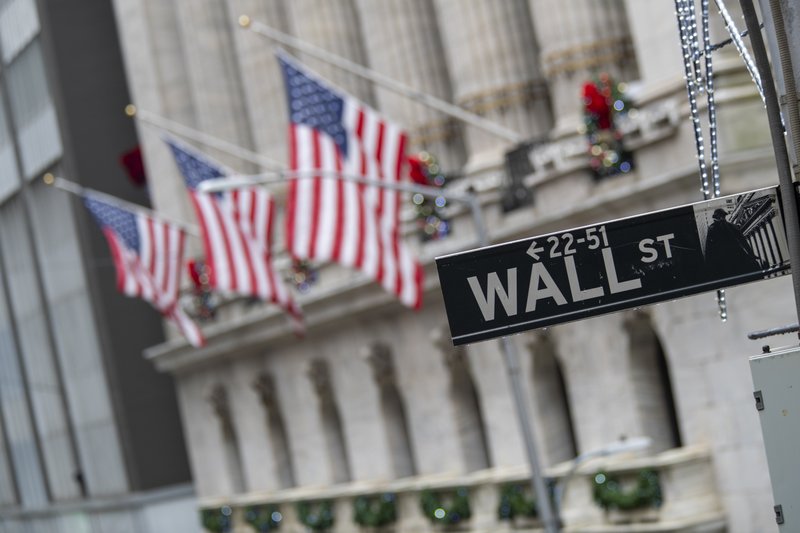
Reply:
x=533, y=250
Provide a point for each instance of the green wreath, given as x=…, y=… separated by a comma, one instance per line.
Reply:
x=375, y=511
x=317, y=515
x=608, y=492
x=217, y=519
x=263, y=518
x=515, y=502
x=440, y=513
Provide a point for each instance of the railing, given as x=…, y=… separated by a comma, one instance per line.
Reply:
x=494, y=500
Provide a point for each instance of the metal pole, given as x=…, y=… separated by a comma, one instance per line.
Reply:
x=384, y=81
x=543, y=503
x=788, y=195
x=78, y=190
x=148, y=117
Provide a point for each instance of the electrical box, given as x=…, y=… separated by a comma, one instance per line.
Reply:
x=776, y=378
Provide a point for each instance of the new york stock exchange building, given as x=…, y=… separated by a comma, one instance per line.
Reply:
x=371, y=419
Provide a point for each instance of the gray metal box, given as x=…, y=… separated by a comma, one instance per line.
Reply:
x=776, y=377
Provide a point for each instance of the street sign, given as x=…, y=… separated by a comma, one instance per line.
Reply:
x=630, y=262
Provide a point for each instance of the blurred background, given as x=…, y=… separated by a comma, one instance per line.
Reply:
x=372, y=420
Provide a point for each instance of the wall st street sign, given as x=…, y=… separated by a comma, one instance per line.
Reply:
x=592, y=270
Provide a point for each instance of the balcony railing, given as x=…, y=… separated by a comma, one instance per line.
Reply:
x=496, y=499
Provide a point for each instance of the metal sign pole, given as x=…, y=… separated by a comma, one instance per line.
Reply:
x=788, y=195
x=543, y=503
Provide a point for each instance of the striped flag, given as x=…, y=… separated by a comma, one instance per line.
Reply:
x=331, y=219
x=148, y=257
x=236, y=227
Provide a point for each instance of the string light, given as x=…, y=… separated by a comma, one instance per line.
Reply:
x=712, y=131
x=696, y=82
x=684, y=30
x=739, y=44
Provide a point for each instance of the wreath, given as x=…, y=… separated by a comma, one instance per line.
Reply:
x=216, y=520
x=515, y=502
x=263, y=518
x=317, y=515
x=446, y=508
x=375, y=511
x=608, y=491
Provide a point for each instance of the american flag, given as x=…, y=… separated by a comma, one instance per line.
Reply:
x=331, y=219
x=236, y=227
x=148, y=257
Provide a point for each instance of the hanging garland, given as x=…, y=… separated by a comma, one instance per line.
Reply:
x=431, y=222
x=608, y=492
x=515, y=502
x=263, y=518
x=375, y=511
x=216, y=520
x=438, y=512
x=304, y=275
x=316, y=515
x=203, y=301
x=604, y=101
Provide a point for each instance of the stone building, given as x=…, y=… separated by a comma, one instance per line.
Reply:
x=375, y=399
x=89, y=432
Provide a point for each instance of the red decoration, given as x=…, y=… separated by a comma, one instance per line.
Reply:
x=596, y=104
x=133, y=164
x=417, y=170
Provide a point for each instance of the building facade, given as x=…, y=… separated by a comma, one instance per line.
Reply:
x=90, y=438
x=375, y=399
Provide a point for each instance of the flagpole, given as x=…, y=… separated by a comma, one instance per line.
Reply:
x=384, y=81
x=78, y=190
x=235, y=150
x=268, y=178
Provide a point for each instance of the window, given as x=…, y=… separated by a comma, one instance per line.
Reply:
x=9, y=173
x=33, y=111
x=19, y=24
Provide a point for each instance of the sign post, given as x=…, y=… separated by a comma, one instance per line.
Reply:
x=570, y=275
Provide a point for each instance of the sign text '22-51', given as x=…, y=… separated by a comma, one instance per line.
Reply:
x=582, y=272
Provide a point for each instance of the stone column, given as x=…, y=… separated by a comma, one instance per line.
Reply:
x=214, y=77
x=403, y=42
x=578, y=39
x=283, y=467
x=466, y=403
x=261, y=76
x=220, y=404
x=492, y=56
x=551, y=410
x=335, y=443
x=392, y=408
x=334, y=26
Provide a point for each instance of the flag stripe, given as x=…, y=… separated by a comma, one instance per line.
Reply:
x=148, y=258
x=354, y=224
x=237, y=230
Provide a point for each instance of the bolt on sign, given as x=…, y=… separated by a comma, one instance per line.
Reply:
x=602, y=268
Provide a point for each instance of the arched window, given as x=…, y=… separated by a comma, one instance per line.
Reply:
x=279, y=440
x=331, y=421
x=230, y=441
x=551, y=402
x=467, y=403
x=393, y=410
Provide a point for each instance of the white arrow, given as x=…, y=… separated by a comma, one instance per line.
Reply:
x=533, y=250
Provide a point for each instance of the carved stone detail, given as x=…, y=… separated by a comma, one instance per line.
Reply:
x=320, y=378
x=379, y=357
